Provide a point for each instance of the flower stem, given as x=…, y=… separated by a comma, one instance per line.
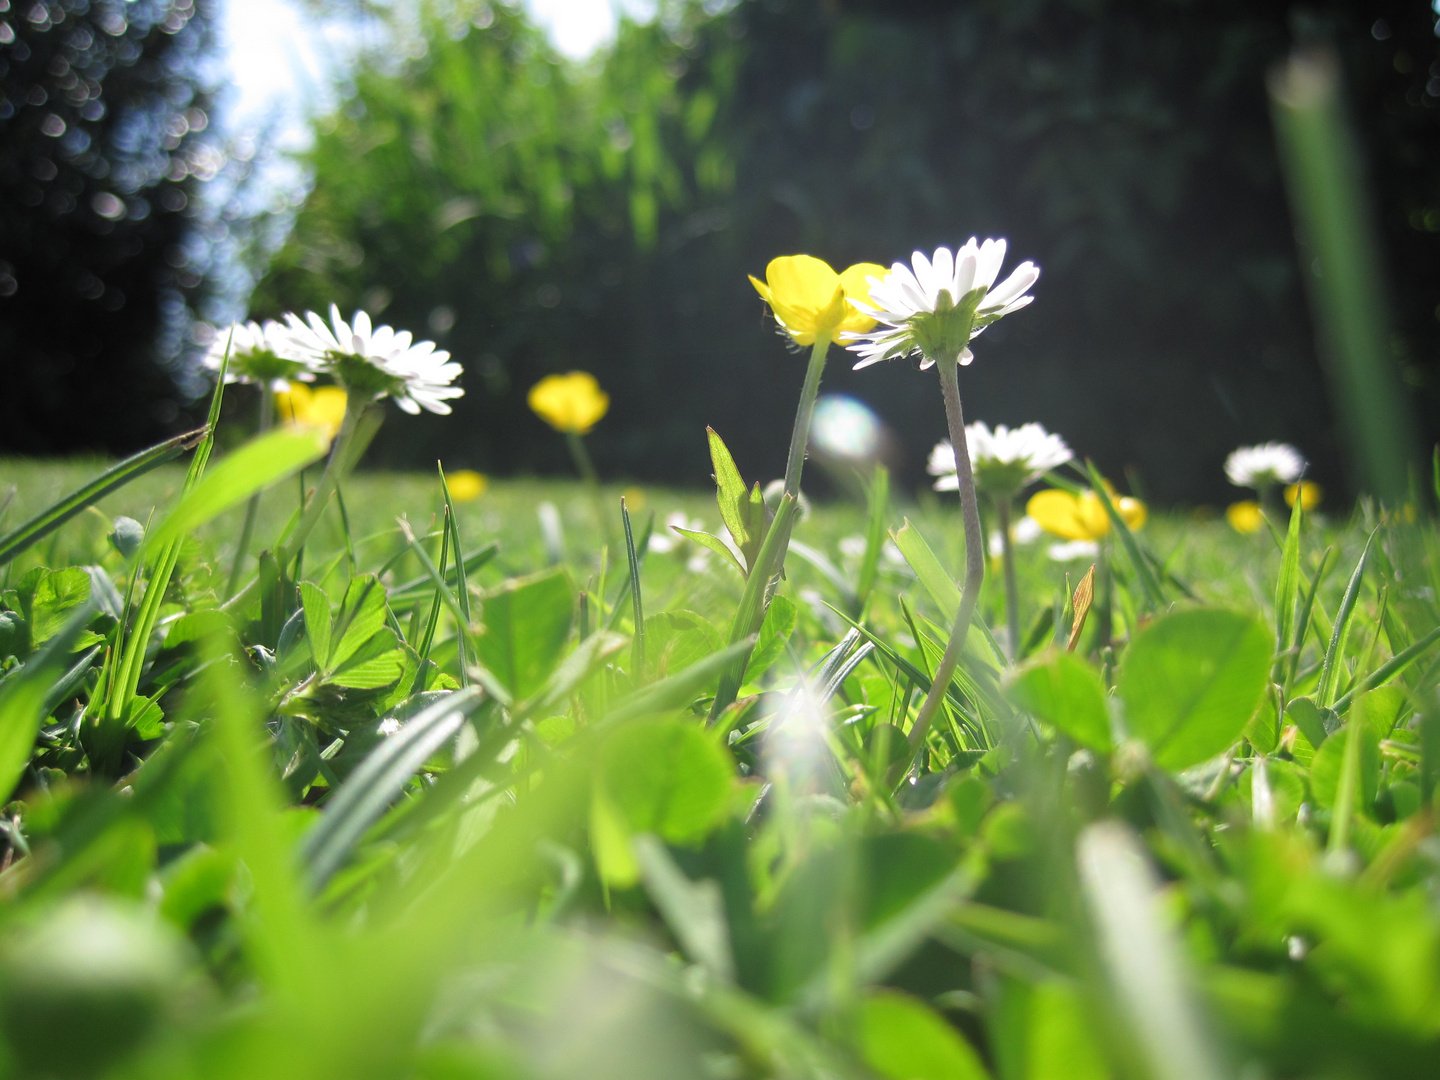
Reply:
x=581, y=457
x=362, y=419
x=252, y=509
x=1012, y=593
x=586, y=468
x=974, y=557
x=800, y=437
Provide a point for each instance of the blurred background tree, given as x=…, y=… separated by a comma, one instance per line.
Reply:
x=534, y=215
x=101, y=113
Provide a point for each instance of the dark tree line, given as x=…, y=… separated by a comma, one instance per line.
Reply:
x=533, y=218
x=101, y=112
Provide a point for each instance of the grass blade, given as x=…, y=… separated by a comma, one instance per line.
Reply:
x=462, y=588
x=360, y=801
x=1334, y=655
x=878, y=496
x=112, y=479
x=1148, y=583
x=637, y=654
x=1287, y=589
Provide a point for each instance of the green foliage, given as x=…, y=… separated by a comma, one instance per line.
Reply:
x=376, y=817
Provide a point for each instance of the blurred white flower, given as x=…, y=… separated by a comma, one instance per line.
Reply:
x=378, y=362
x=935, y=308
x=1265, y=465
x=1025, y=531
x=667, y=539
x=1072, y=550
x=1003, y=460
x=852, y=547
x=258, y=354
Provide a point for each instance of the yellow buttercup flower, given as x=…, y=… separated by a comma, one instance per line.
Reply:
x=572, y=403
x=810, y=300
x=466, y=484
x=1081, y=517
x=1245, y=516
x=322, y=407
x=1309, y=492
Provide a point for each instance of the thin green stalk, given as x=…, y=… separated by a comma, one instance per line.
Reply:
x=362, y=419
x=800, y=436
x=252, y=509
x=583, y=464
x=1012, y=592
x=974, y=557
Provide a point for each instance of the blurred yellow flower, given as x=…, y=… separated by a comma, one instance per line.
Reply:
x=572, y=403
x=1081, y=517
x=322, y=407
x=810, y=300
x=634, y=499
x=1245, y=516
x=1309, y=492
x=466, y=484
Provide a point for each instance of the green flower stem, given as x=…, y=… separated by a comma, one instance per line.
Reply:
x=252, y=509
x=581, y=456
x=586, y=468
x=362, y=419
x=974, y=557
x=1012, y=593
x=800, y=437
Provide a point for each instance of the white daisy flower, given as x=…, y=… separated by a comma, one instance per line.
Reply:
x=1004, y=460
x=1265, y=465
x=258, y=354
x=378, y=362
x=936, y=305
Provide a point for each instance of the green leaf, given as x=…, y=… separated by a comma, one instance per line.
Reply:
x=1066, y=693
x=361, y=617
x=526, y=624
x=1191, y=680
x=667, y=777
x=1310, y=719
x=250, y=469
x=775, y=631
x=50, y=519
x=54, y=598
x=730, y=491
x=715, y=544
x=675, y=640
x=316, y=606
x=932, y=575
x=378, y=662
x=902, y=1038
x=1329, y=763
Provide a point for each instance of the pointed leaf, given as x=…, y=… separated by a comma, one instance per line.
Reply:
x=316, y=606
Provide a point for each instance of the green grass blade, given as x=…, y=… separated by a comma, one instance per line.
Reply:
x=364, y=796
x=1335, y=653
x=751, y=610
x=1322, y=167
x=462, y=587
x=878, y=498
x=1388, y=670
x=112, y=479
x=262, y=461
x=1302, y=620
x=1287, y=590
x=25, y=694
x=637, y=649
x=1148, y=584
